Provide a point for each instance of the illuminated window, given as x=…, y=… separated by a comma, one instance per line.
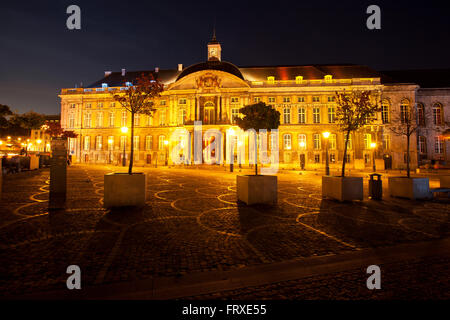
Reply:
x=137, y=119
x=98, y=143
x=438, y=145
x=111, y=119
x=87, y=143
x=100, y=105
x=136, y=142
x=287, y=142
x=271, y=100
x=316, y=138
x=404, y=111
x=234, y=100
x=112, y=104
x=99, y=119
x=286, y=99
x=72, y=106
x=331, y=115
x=367, y=140
x=287, y=115
x=87, y=120
x=271, y=80
x=234, y=114
x=298, y=79
x=150, y=120
x=161, y=140
x=386, y=141
x=437, y=114
x=110, y=143
x=315, y=99
x=181, y=116
x=182, y=101
x=316, y=115
x=328, y=78
x=162, y=117
x=301, y=99
x=302, y=141
x=71, y=120
x=123, y=122
x=385, y=111
x=256, y=99
x=317, y=158
x=301, y=115
x=332, y=141
x=123, y=142
x=88, y=105
x=331, y=98
x=148, y=142
x=422, y=144
x=162, y=102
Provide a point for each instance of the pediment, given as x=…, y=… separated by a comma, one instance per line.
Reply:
x=208, y=80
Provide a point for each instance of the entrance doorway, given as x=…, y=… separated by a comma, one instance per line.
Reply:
x=387, y=162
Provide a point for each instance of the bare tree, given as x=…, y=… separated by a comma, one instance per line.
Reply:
x=139, y=99
x=355, y=109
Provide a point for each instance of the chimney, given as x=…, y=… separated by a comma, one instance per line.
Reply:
x=157, y=69
x=107, y=73
x=123, y=72
x=180, y=67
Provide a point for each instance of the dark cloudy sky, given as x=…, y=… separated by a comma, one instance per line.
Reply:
x=39, y=55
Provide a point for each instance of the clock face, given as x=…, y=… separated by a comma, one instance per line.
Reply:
x=213, y=52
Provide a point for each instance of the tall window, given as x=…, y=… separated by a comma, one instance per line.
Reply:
x=301, y=115
x=286, y=99
x=287, y=142
x=123, y=122
x=302, y=141
x=71, y=120
x=287, y=115
x=137, y=119
x=386, y=141
x=234, y=114
x=385, y=111
x=437, y=114
x=123, y=142
x=420, y=114
x=98, y=143
x=161, y=142
x=367, y=140
x=111, y=118
x=332, y=141
x=438, y=145
x=350, y=141
x=111, y=143
x=136, y=142
x=87, y=143
x=181, y=116
x=404, y=111
x=162, y=117
x=316, y=115
x=316, y=141
x=99, y=119
x=331, y=114
x=422, y=144
x=148, y=142
x=87, y=120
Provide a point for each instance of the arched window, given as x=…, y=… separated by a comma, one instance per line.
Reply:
x=209, y=113
x=420, y=114
x=404, y=111
x=385, y=109
x=287, y=142
x=437, y=114
x=302, y=141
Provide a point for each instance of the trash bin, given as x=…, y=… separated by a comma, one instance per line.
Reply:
x=375, y=186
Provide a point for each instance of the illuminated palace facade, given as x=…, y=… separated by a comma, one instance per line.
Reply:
x=214, y=90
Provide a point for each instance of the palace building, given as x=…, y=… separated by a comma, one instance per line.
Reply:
x=213, y=91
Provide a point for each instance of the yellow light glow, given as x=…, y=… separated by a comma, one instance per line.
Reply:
x=231, y=131
x=1, y=142
x=48, y=144
x=373, y=145
x=124, y=129
x=326, y=134
x=166, y=142
x=110, y=141
x=239, y=143
x=9, y=138
x=38, y=141
x=301, y=144
x=19, y=139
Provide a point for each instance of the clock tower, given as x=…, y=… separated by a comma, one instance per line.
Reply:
x=214, y=48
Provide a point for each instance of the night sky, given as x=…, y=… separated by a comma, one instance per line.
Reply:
x=39, y=55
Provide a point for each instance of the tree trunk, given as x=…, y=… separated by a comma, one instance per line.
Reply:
x=345, y=153
x=130, y=168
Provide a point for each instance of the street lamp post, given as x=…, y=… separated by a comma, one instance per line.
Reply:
x=124, y=160
x=231, y=137
x=166, y=143
x=326, y=135
x=373, y=145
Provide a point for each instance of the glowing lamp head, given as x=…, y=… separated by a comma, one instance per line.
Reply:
x=326, y=134
x=301, y=144
x=373, y=145
x=1, y=142
x=124, y=129
x=38, y=141
x=19, y=139
x=110, y=141
x=166, y=142
x=9, y=138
